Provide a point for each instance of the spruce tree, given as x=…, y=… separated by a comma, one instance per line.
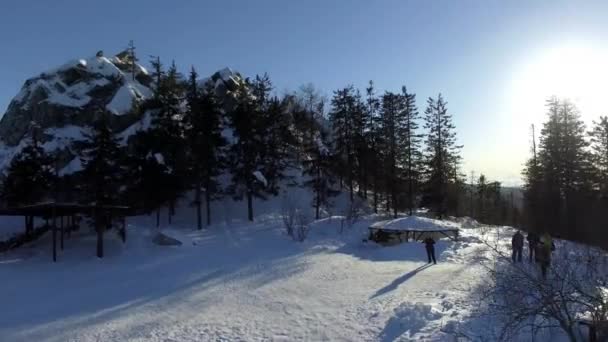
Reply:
x=29, y=177
x=411, y=148
x=442, y=155
x=392, y=111
x=375, y=141
x=167, y=130
x=258, y=156
x=317, y=165
x=102, y=161
x=563, y=171
x=203, y=132
x=599, y=144
x=342, y=117
x=146, y=190
x=102, y=172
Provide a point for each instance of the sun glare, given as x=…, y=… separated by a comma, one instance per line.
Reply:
x=579, y=73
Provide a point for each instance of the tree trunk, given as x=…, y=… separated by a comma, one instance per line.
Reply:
x=158, y=217
x=208, y=206
x=375, y=197
x=197, y=201
x=170, y=211
x=99, y=228
x=318, y=190
x=250, y=206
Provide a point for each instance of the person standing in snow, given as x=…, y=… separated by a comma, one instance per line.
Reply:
x=532, y=243
x=543, y=253
x=517, y=244
x=429, y=245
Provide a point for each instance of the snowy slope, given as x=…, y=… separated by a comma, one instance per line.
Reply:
x=241, y=282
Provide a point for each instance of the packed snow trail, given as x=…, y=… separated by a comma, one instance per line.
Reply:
x=244, y=282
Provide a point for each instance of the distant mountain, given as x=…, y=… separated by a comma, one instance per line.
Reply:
x=63, y=102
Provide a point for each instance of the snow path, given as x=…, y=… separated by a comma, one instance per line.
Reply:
x=235, y=283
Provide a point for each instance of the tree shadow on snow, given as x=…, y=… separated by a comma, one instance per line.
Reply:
x=90, y=292
x=395, y=284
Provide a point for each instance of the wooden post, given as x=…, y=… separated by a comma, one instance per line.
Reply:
x=124, y=230
x=54, y=236
x=61, y=232
x=99, y=227
x=70, y=225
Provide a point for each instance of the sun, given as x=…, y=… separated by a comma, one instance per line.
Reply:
x=576, y=72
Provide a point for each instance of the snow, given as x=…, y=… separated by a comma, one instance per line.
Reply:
x=141, y=125
x=237, y=281
x=416, y=223
x=323, y=150
x=226, y=74
x=11, y=226
x=260, y=177
x=74, y=165
x=63, y=137
x=123, y=100
x=159, y=158
x=76, y=95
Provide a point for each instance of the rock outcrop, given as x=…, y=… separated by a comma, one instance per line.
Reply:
x=65, y=101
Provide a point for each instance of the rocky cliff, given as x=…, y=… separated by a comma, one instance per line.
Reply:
x=63, y=103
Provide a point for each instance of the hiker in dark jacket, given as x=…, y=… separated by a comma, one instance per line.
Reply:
x=544, y=248
x=532, y=243
x=517, y=244
x=429, y=244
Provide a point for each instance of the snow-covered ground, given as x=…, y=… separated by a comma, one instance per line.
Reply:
x=240, y=282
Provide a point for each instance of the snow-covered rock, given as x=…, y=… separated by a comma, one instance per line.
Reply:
x=62, y=102
x=73, y=93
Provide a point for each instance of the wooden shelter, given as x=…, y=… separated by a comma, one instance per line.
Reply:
x=390, y=232
x=64, y=218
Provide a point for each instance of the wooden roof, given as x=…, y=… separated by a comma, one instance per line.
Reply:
x=62, y=208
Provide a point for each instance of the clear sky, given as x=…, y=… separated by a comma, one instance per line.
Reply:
x=494, y=61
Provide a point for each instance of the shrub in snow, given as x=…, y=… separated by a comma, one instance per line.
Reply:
x=526, y=303
x=356, y=209
x=295, y=220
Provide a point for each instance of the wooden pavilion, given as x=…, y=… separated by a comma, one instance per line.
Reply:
x=64, y=218
x=389, y=233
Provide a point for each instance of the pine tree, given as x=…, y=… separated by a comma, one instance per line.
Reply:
x=442, y=155
x=102, y=161
x=342, y=120
x=375, y=142
x=167, y=130
x=532, y=186
x=133, y=59
x=146, y=190
x=411, y=147
x=203, y=131
x=562, y=173
x=29, y=176
x=258, y=157
x=599, y=144
x=102, y=172
x=158, y=74
x=392, y=111
x=361, y=149
x=317, y=166
x=482, y=197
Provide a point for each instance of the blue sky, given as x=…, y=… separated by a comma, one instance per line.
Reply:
x=477, y=53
